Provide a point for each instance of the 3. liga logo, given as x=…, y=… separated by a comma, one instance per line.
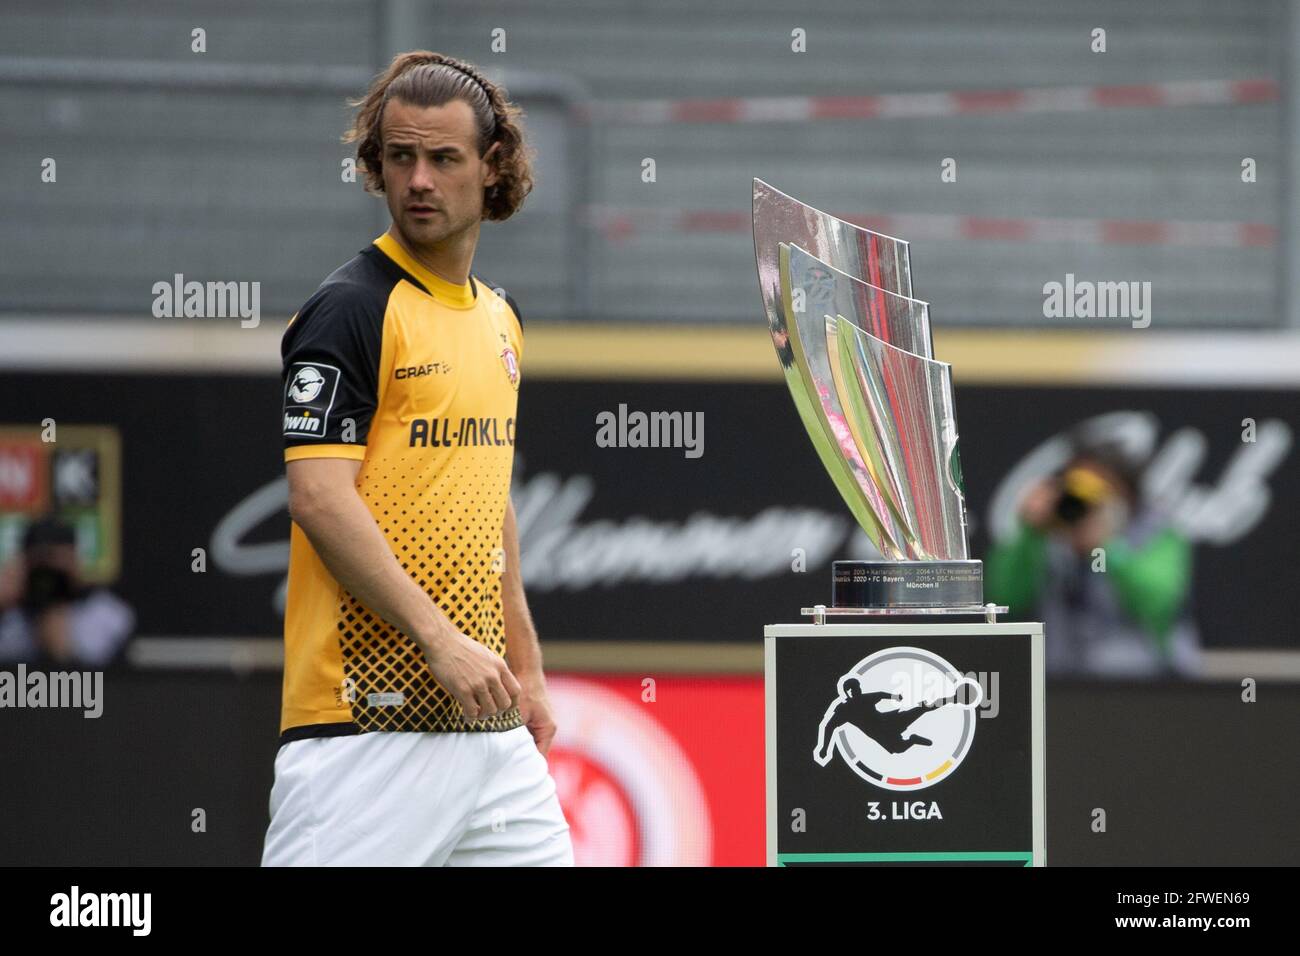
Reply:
x=306, y=385
x=904, y=720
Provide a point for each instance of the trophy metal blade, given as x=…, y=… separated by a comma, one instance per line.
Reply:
x=908, y=404
x=871, y=256
x=854, y=251
x=804, y=294
x=858, y=359
x=897, y=319
x=878, y=455
x=900, y=320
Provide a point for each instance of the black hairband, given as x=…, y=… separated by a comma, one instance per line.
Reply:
x=476, y=82
x=480, y=85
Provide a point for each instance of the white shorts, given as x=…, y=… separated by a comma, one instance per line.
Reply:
x=416, y=799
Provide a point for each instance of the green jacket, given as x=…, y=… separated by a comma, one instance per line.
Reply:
x=1150, y=581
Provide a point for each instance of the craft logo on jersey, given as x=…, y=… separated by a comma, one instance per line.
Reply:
x=511, y=362
x=904, y=719
x=308, y=398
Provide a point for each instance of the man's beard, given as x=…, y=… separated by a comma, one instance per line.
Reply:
x=429, y=233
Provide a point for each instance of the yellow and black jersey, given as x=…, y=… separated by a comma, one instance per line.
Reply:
x=418, y=379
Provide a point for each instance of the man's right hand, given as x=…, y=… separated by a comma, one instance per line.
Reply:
x=480, y=680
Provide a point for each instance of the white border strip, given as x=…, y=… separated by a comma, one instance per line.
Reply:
x=1114, y=356
x=1038, y=741
x=94, y=344
x=769, y=744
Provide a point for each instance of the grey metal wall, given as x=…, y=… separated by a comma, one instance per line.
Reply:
x=218, y=184
x=159, y=179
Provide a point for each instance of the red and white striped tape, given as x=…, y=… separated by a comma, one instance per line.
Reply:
x=1064, y=99
x=622, y=222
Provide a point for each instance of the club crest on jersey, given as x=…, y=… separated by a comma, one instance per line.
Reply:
x=511, y=362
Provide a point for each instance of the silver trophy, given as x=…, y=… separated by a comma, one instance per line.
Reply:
x=857, y=355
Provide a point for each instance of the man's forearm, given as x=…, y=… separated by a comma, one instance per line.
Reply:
x=355, y=552
x=523, y=651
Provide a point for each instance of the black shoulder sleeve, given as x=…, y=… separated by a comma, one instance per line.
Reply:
x=504, y=294
x=331, y=355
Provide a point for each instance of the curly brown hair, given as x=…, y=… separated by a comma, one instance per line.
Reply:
x=423, y=78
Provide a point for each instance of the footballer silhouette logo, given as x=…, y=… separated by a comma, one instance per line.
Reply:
x=306, y=385
x=904, y=719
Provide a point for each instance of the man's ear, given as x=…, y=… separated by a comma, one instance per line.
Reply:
x=492, y=175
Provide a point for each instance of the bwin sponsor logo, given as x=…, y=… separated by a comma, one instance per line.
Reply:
x=301, y=423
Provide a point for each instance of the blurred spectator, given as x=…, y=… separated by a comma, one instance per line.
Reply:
x=47, y=617
x=1129, y=620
